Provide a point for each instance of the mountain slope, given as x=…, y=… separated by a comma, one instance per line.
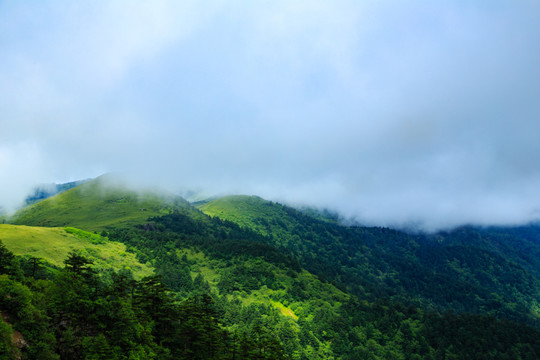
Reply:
x=248, y=211
x=98, y=204
x=45, y=191
x=54, y=244
x=479, y=271
x=237, y=291
x=321, y=322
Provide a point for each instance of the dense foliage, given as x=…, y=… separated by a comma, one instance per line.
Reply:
x=235, y=286
x=75, y=314
x=494, y=270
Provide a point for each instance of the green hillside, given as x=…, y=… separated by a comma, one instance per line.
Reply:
x=257, y=280
x=249, y=211
x=255, y=212
x=54, y=245
x=468, y=270
x=97, y=205
x=45, y=191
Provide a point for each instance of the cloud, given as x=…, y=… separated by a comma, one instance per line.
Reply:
x=18, y=164
x=392, y=113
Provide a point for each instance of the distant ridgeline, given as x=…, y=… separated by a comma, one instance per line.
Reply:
x=104, y=272
x=45, y=191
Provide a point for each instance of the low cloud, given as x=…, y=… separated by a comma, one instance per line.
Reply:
x=397, y=114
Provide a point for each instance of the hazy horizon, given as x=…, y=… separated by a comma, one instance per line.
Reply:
x=392, y=113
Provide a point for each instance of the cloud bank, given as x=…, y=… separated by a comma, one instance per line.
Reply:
x=393, y=113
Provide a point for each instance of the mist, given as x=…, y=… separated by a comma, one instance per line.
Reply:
x=392, y=113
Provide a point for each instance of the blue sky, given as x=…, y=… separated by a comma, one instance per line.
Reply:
x=392, y=112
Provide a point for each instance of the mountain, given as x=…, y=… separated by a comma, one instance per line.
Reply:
x=99, y=204
x=243, y=278
x=45, y=191
x=489, y=270
x=53, y=245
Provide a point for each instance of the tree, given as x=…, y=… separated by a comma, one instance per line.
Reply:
x=78, y=264
x=200, y=328
x=7, y=349
x=6, y=260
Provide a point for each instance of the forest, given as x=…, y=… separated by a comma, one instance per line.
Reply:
x=265, y=281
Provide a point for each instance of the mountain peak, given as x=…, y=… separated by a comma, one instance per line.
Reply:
x=102, y=203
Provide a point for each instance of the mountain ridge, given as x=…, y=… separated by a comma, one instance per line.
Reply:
x=403, y=265
x=259, y=279
x=107, y=203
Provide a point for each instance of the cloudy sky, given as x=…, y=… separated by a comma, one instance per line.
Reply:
x=394, y=113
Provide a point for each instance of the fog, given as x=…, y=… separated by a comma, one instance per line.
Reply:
x=393, y=113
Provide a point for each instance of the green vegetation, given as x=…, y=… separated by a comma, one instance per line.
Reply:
x=54, y=244
x=96, y=205
x=483, y=271
x=247, y=211
x=311, y=318
x=81, y=234
x=47, y=190
x=256, y=280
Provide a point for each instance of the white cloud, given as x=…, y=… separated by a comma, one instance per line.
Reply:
x=18, y=164
x=392, y=112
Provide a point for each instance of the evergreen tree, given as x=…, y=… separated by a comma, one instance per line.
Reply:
x=6, y=260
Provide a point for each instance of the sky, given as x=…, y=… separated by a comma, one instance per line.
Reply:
x=394, y=113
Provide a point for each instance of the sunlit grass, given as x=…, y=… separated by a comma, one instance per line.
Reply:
x=54, y=244
x=95, y=206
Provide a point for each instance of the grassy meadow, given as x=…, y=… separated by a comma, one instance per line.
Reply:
x=54, y=243
x=97, y=206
